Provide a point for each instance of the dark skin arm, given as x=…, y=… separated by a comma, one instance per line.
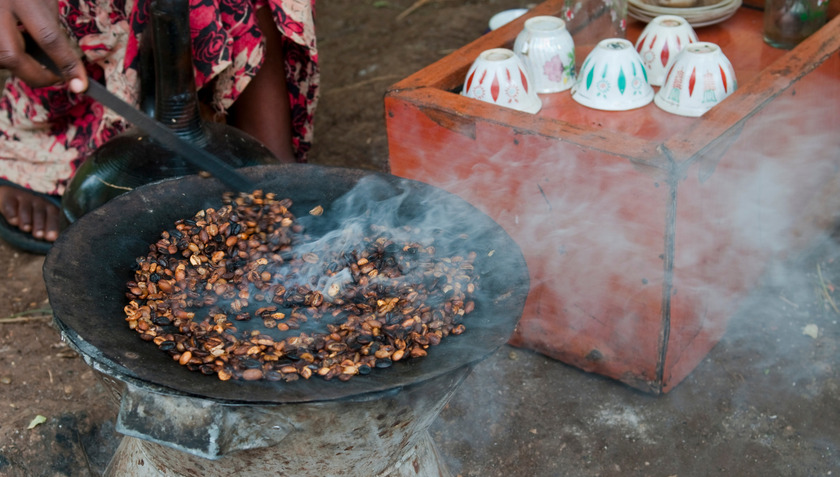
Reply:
x=38, y=18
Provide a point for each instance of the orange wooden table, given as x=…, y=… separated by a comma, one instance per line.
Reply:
x=641, y=229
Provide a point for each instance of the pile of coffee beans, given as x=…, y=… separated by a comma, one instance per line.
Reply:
x=241, y=292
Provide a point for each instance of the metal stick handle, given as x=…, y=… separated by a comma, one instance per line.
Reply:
x=191, y=153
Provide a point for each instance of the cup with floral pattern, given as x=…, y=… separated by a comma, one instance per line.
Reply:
x=548, y=51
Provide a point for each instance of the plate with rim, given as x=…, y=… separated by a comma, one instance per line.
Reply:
x=696, y=17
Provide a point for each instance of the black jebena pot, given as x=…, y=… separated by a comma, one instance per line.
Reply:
x=132, y=158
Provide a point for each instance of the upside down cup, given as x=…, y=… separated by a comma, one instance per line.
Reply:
x=660, y=43
x=700, y=78
x=504, y=17
x=613, y=78
x=499, y=77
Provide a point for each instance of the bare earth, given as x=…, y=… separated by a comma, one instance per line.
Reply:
x=765, y=402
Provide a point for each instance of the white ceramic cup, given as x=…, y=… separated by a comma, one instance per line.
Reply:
x=499, y=77
x=548, y=51
x=504, y=17
x=613, y=78
x=660, y=42
x=701, y=77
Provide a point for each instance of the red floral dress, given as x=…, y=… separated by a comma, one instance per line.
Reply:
x=45, y=133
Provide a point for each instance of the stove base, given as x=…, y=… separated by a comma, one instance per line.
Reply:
x=140, y=458
x=382, y=434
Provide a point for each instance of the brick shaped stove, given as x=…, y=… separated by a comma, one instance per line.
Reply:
x=641, y=229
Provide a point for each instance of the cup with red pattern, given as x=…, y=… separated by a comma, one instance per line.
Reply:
x=700, y=78
x=660, y=43
x=499, y=77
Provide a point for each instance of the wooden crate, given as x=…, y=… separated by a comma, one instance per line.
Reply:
x=641, y=229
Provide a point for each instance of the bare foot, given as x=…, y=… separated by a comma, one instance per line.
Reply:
x=30, y=213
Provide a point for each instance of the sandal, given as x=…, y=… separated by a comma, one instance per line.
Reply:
x=17, y=237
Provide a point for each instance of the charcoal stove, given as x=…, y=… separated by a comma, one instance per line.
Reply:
x=177, y=422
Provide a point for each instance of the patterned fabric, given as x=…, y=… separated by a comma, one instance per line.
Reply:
x=45, y=133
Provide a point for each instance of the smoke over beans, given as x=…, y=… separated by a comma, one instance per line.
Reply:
x=244, y=292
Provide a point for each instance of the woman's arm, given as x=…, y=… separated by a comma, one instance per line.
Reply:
x=39, y=19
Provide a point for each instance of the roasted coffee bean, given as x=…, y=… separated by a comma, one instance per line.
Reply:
x=306, y=373
x=249, y=363
x=185, y=357
x=167, y=345
x=336, y=347
x=161, y=320
x=273, y=375
x=252, y=374
x=207, y=369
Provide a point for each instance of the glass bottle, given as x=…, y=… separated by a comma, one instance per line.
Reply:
x=788, y=22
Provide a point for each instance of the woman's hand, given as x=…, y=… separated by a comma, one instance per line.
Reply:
x=39, y=19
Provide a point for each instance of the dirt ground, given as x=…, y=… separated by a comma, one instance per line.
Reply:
x=765, y=401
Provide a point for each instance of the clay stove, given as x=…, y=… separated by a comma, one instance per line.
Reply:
x=178, y=422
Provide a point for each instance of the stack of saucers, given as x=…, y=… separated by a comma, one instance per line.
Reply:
x=697, y=13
